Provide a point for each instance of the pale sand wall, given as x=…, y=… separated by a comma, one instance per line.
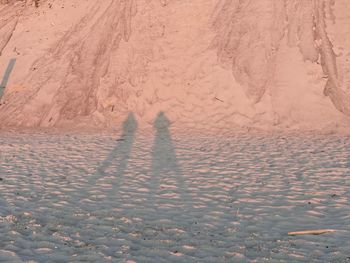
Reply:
x=207, y=64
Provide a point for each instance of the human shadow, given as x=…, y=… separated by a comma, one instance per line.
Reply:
x=121, y=151
x=167, y=185
x=109, y=175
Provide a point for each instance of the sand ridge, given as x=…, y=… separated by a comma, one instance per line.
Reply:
x=206, y=64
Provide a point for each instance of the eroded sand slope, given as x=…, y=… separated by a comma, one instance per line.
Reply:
x=205, y=63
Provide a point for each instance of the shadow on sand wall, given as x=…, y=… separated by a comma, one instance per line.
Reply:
x=6, y=76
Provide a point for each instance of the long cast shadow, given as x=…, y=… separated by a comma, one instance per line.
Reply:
x=117, y=159
x=6, y=76
x=122, y=149
x=166, y=171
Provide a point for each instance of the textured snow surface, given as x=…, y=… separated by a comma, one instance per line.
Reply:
x=205, y=63
x=158, y=197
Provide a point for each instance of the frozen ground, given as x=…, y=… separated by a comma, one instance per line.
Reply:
x=161, y=197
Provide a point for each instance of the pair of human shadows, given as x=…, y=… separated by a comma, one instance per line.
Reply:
x=164, y=163
x=164, y=160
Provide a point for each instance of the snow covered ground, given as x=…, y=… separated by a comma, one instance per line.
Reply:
x=164, y=197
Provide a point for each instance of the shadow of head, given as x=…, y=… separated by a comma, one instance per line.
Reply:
x=130, y=124
x=161, y=122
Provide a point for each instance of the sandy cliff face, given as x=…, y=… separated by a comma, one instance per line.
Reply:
x=205, y=63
